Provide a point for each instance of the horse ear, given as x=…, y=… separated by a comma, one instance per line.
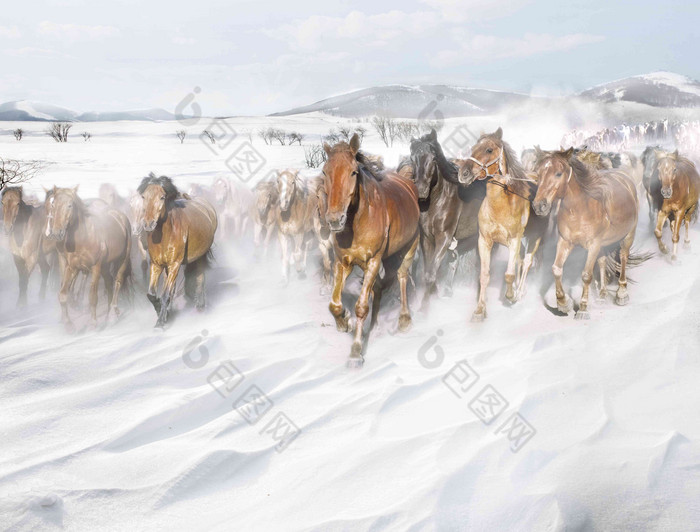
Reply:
x=75, y=189
x=568, y=153
x=433, y=134
x=355, y=144
x=499, y=133
x=675, y=154
x=538, y=150
x=327, y=149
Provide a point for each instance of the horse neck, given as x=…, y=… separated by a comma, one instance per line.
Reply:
x=574, y=194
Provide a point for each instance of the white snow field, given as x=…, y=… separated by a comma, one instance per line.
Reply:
x=131, y=428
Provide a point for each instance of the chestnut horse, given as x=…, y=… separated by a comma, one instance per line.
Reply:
x=24, y=224
x=504, y=212
x=93, y=239
x=447, y=214
x=180, y=233
x=374, y=217
x=680, y=185
x=598, y=211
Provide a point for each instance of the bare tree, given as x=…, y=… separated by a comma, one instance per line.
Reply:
x=58, y=131
x=13, y=172
x=18, y=133
x=279, y=135
x=314, y=155
x=86, y=136
x=266, y=135
x=181, y=134
x=333, y=137
x=361, y=131
x=294, y=136
x=386, y=128
x=209, y=135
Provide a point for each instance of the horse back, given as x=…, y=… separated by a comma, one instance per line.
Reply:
x=401, y=199
x=192, y=221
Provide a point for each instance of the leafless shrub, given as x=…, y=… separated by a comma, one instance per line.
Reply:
x=333, y=137
x=13, y=172
x=18, y=133
x=279, y=135
x=209, y=135
x=265, y=135
x=361, y=132
x=58, y=131
x=181, y=134
x=314, y=155
x=86, y=136
x=293, y=137
x=386, y=128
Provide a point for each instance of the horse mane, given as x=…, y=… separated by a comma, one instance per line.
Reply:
x=517, y=181
x=13, y=189
x=591, y=181
x=171, y=191
x=372, y=165
x=405, y=167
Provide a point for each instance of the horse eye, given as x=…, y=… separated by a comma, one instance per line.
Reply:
x=559, y=174
x=162, y=197
x=354, y=173
x=489, y=150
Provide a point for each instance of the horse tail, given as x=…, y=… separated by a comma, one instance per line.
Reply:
x=612, y=262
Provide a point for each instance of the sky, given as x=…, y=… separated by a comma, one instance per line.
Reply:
x=253, y=57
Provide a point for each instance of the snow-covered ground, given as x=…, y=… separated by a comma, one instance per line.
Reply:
x=129, y=428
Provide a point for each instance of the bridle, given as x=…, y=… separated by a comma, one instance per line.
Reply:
x=490, y=177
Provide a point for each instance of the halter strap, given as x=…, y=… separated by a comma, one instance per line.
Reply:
x=485, y=167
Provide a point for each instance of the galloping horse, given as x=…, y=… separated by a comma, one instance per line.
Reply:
x=680, y=185
x=651, y=182
x=294, y=220
x=94, y=239
x=180, y=232
x=504, y=212
x=264, y=213
x=374, y=217
x=598, y=211
x=319, y=204
x=24, y=224
x=232, y=204
x=445, y=215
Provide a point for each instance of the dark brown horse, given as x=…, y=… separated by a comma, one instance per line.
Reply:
x=374, y=217
x=598, y=212
x=679, y=188
x=95, y=240
x=24, y=224
x=505, y=212
x=448, y=214
x=180, y=233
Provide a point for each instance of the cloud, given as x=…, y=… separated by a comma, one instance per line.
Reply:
x=33, y=52
x=362, y=30
x=481, y=48
x=472, y=10
x=75, y=33
x=184, y=40
x=11, y=32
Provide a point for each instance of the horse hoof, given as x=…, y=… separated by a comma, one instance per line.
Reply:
x=582, y=315
x=446, y=293
x=159, y=325
x=663, y=249
x=478, y=316
x=565, y=307
x=355, y=362
x=405, y=323
x=622, y=300
x=686, y=245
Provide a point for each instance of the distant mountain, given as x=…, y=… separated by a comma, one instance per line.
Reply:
x=658, y=89
x=24, y=110
x=404, y=101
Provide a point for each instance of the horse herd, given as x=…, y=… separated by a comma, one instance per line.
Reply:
x=360, y=214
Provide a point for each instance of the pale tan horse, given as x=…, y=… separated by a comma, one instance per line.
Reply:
x=180, y=233
x=294, y=221
x=232, y=203
x=324, y=237
x=263, y=211
x=505, y=211
x=24, y=225
x=93, y=239
x=680, y=186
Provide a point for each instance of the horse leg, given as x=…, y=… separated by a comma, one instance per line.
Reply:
x=285, y=257
x=299, y=254
x=688, y=216
x=341, y=315
x=658, y=232
x=168, y=293
x=144, y=258
x=95, y=273
x=200, y=301
x=621, y=298
x=362, y=309
x=153, y=279
x=23, y=280
x=69, y=274
x=404, y=269
x=602, y=269
x=587, y=277
x=532, y=248
x=45, y=269
x=121, y=275
x=564, y=247
x=511, y=270
x=679, y=216
x=325, y=249
x=485, y=247
x=108, y=280
x=429, y=276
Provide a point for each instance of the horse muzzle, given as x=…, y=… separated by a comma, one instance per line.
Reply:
x=150, y=226
x=465, y=176
x=337, y=223
x=542, y=208
x=667, y=192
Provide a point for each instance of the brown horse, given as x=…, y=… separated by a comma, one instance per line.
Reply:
x=505, y=211
x=680, y=185
x=294, y=221
x=24, y=224
x=95, y=240
x=180, y=232
x=598, y=211
x=447, y=214
x=263, y=211
x=374, y=217
x=319, y=203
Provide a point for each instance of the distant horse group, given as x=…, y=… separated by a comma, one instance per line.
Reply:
x=358, y=213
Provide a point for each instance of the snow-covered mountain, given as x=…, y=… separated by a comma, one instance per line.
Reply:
x=24, y=110
x=404, y=101
x=658, y=89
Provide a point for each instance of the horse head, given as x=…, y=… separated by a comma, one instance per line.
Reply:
x=221, y=188
x=486, y=160
x=341, y=173
x=62, y=208
x=424, y=163
x=11, y=201
x=668, y=168
x=554, y=170
x=158, y=193
x=287, y=183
